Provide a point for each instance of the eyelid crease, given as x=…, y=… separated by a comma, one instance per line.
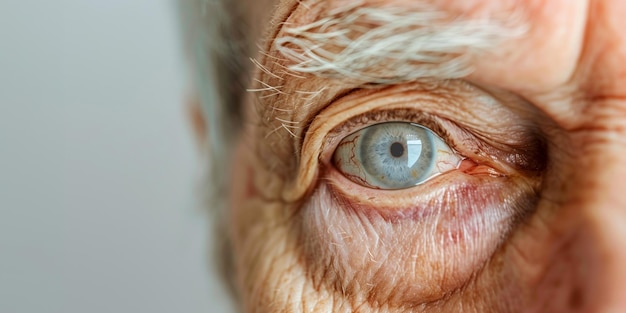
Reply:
x=455, y=110
x=316, y=134
x=326, y=137
x=308, y=121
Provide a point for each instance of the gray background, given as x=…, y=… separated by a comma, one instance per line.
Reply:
x=98, y=171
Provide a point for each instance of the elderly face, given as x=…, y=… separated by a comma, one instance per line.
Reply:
x=433, y=156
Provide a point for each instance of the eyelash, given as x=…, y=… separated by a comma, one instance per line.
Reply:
x=361, y=121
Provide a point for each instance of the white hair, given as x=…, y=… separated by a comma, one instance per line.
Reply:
x=387, y=45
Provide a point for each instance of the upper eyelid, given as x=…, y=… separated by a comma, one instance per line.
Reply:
x=407, y=111
x=458, y=110
x=352, y=125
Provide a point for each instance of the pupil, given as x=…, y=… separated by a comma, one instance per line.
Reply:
x=396, y=149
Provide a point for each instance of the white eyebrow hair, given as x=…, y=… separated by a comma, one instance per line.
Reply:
x=388, y=45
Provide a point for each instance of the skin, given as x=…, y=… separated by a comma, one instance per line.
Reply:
x=533, y=221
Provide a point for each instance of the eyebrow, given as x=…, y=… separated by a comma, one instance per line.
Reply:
x=390, y=45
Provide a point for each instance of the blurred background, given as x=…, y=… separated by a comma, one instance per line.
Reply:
x=99, y=199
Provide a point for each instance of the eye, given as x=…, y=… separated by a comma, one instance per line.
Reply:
x=393, y=155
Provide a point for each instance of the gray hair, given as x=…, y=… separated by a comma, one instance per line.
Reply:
x=365, y=43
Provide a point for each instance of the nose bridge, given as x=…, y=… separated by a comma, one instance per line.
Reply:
x=601, y=239
x=605, y=254
x=598, y=197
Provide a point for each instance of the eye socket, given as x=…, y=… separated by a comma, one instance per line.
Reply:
x=393, y=155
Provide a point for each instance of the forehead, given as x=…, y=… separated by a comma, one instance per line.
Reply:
x=556, y=27
x=560, y=52
x=553, y=40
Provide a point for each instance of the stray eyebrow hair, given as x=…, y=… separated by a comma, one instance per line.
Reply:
x=390, y=45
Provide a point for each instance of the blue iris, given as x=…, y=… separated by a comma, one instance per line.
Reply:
x=393, y=155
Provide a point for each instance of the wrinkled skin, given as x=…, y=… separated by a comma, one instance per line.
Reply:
x=536, y=222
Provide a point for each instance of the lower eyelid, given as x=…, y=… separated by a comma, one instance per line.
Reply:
x=460, y=201
x=469, y=174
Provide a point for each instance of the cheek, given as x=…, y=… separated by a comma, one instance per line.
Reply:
x=253, y=194
x=262, y=247
x=269, y=275
x=405, y=262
